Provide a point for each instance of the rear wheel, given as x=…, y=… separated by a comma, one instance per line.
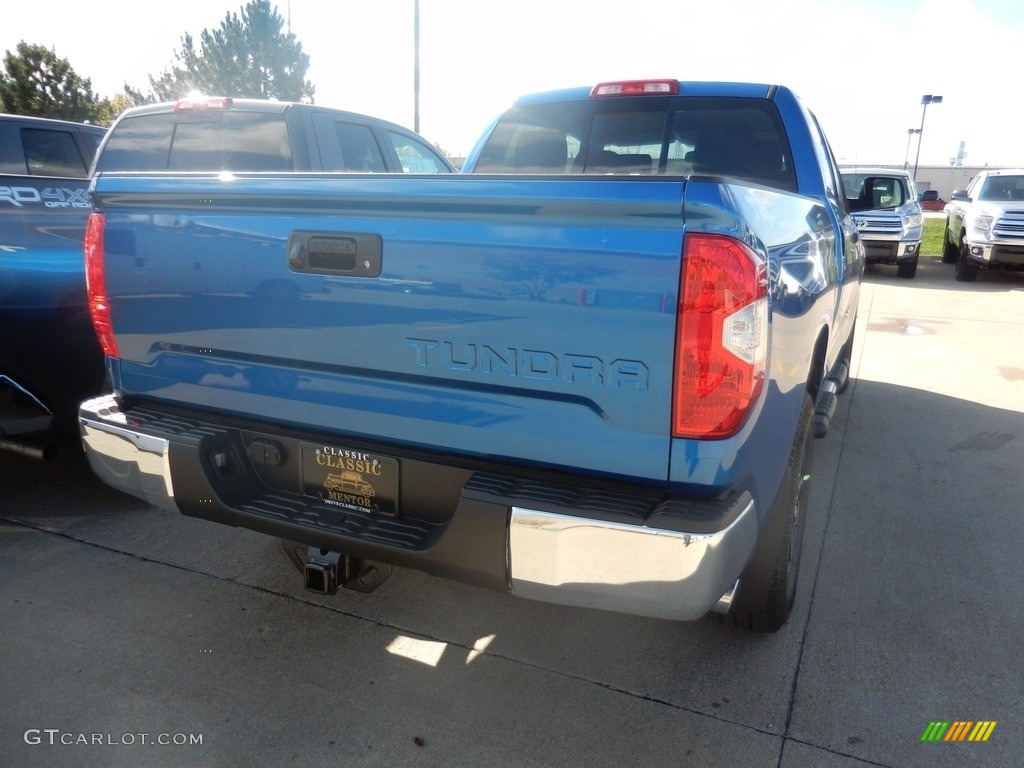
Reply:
x=965, y=270
x=949, y=250
x=768, y=583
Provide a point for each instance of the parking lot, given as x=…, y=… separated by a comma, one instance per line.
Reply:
x=135, y=637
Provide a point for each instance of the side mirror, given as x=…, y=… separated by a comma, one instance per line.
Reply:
x=960, y=194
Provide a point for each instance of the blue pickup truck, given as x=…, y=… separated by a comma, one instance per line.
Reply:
x=587, y=370
x=49, y=358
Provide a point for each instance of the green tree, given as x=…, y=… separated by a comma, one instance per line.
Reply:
x=35, y=81
x=110, y=108
x=249, y=55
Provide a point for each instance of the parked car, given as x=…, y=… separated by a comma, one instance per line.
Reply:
x=985, y=224
x=930, y=200
x=49, y=357
x=888, y=216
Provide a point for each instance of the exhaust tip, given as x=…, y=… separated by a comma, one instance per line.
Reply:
x=725, y=601
x=47, y=452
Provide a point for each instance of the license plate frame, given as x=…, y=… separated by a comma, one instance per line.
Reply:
x=350, y=478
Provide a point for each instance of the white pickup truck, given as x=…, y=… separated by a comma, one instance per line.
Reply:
x=985, y=224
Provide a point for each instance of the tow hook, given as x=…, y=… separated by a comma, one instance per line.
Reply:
x=324, y=571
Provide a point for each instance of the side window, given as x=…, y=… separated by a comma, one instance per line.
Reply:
x=899, y=193
x=52, y=153
x=543, y=138
x=521, y=148
x=742, y=138
x=359, y=150
x=852, y=184
x=415, y=156
x=972, y=188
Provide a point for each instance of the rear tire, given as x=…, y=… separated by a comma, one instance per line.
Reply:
x=949, y=250
x=768, y=584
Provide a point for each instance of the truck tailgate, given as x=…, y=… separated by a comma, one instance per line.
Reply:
x=485, y=317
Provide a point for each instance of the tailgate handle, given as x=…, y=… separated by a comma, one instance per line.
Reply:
x=335, y=253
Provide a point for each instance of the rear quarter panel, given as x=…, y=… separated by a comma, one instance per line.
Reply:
x=796, y=237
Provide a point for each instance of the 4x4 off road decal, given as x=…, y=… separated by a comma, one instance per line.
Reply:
x=50, y=197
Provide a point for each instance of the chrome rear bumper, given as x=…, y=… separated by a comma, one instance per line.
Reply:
x=124, y=458
x=628, y=568
x=678, y=563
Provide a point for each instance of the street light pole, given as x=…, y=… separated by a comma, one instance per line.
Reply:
x=906, y=155
x=416, y=67
x=925, y=100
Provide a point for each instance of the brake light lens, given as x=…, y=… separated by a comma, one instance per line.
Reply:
x=721, y=337
x=636, y=88
x=96, y=288
x=203, y=104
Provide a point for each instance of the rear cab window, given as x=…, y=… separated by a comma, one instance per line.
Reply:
x=199, y=141
x=668, y=136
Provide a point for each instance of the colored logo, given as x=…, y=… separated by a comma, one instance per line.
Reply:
x=959, y=730
x=352, y=482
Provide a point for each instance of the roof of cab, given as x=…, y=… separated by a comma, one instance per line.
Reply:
x=266, y=106
x=582, y=93
x=41, y=122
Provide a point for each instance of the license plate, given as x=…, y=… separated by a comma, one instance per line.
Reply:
x=350, y=478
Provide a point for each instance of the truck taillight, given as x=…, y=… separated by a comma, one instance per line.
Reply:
x=99, y=305
x=721, y=337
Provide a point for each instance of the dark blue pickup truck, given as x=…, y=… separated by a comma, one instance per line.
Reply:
x=588, y=370
x=49, y=358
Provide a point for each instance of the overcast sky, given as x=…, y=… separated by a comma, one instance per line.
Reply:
x=860, y=65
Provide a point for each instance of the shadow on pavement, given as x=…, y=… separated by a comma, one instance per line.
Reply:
x=908, y=612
